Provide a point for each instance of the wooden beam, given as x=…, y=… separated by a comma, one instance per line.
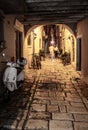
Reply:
x=38, y=1
x=57, y=3
x=57, y=8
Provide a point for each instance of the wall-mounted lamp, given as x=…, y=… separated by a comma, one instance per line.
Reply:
x=2, y=44
x=35, y=35
x=69, y=37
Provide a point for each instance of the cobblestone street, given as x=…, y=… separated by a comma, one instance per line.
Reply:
x=54, y=97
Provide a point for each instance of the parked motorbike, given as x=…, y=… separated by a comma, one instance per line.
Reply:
x=36, y=62
x=13, y=76
x=66, y=59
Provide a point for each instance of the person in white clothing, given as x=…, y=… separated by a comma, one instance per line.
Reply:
x=51, y=50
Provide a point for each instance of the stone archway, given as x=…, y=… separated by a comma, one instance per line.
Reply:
x=65, y=36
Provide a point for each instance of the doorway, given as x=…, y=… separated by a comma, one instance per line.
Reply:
x=78, y=57
x=18, y=44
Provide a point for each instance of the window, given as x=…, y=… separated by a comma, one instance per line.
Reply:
x=29, y=40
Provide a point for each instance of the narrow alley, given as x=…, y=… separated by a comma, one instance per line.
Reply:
x=54, y=97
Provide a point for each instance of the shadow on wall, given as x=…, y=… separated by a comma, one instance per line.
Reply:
x=2, y=68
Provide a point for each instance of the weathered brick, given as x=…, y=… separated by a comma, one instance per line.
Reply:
x=62, y=116
x=81, y=117
x=80, y=125
x=72, y=109
x=52, y=108
x=73, y=99
x=62, y=108
x=77, y=104
x=36, y=125
x=38, y=107
x=60, y=125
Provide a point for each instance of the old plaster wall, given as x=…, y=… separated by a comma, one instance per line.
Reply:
x=9, y=36
x=11, y=25
x=82, y=32
x=35, y=35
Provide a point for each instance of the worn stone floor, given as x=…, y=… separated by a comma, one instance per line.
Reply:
x=54, y=97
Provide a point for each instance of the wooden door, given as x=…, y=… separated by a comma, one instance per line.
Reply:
x=78, y=57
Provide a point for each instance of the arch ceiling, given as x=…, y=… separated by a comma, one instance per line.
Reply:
x=38, y=12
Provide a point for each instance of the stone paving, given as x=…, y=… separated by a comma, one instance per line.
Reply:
x=52, y=98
